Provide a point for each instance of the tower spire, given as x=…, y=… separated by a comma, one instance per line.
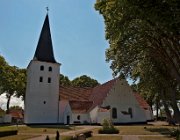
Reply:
x=44, y=50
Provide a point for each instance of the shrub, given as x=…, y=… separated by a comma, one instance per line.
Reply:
x=88, y=134
x=176, y=133
x=8, y=133
x=108, y=128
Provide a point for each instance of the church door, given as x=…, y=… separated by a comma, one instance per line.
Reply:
x=68, y=119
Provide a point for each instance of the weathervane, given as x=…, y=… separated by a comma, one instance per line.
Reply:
x=47, y=8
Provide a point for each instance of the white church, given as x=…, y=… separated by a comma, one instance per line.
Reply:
x=46, y=102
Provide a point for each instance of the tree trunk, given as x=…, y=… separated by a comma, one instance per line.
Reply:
x=8, y=103
x=174, y=105
x=157, y=109
x=166, y=108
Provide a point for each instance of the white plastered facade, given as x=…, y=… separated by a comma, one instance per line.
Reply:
x=42, y=97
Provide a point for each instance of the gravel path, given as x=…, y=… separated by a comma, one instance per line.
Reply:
x=130, y=137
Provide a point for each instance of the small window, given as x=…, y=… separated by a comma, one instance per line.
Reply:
x=49, y=80
x=41, y=68
x=78, y=117
x=41, y=79
x=130, y=112
x=50, y=68
x=44, y=102
x=114, y=113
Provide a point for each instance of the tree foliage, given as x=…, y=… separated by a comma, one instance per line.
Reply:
x=84, y=81
x=12, y=81
x=144, y=38
x=64, y=80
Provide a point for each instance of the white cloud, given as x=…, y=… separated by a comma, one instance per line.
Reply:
x=14, y=101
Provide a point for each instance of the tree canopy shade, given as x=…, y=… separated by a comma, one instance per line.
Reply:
x=144, y=38
x=64, y=80
x=12, y=81
x=84, y=81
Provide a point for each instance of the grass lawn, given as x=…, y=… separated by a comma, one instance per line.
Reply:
x=142, y=130
x=155, y=138
x=105, y=138
x=37, y=129
x=17, y=137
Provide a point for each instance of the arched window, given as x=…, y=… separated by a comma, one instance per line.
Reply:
x=50, y=68
x=78, y=117
x=114, y=113
x=41, y=79
x=49, y=80
x=130, y=112
x=41, y=68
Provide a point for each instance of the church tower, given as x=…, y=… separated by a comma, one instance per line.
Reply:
x=42, y=90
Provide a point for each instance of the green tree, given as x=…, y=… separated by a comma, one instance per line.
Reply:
x=12, y=81
x=144, y=44
x=21, y=83
x=84, y=81
x=15, y=108
x=64, y=80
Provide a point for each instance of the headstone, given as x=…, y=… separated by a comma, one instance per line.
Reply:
x=81, y=137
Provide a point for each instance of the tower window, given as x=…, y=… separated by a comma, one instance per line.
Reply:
x=130, y=112
x=49, y=80
x=41, y=68
x=114, y=113
x=78, y=117
x=41, y=79
x=50, y=68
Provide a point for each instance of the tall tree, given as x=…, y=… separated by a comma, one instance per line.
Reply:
x=12, y=81
x=84, y=81
x=21, y=84
x=64, y=80
x=144, y=35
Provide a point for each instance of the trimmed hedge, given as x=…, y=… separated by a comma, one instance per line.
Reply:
x=8, y=133
x=108, y=131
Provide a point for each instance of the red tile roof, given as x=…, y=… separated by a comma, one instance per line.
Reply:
x=74, y=93
x=141, y=101
x=100, y=92
x=103, y=110
x=83, y=99
x=16, y=114
x=80, y=106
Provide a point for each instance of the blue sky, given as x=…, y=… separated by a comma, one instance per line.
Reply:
x=77, y=33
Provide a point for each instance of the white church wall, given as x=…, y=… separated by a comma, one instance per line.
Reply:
x=102, y=116
x=7, y=118
x=64, y=111
x=94, y=114
x=67, y=113
x=148, y=114
x=82, y=118
x=1, y=119
x=41, y=101
x=121, y=97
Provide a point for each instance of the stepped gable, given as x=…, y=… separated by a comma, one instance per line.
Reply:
x=74, y=93
x=143, y=104
x=80, y=106
x=99, y=93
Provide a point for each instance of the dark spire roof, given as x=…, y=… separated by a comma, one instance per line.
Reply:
x=44, y=50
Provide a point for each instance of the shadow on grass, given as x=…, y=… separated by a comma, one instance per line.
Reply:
x=51, y=126
x=162, y=131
